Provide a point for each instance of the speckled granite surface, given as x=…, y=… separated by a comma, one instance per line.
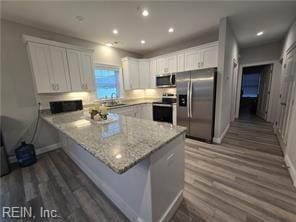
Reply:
x=120, y=144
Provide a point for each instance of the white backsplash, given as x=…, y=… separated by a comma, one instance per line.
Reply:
x=90, y=97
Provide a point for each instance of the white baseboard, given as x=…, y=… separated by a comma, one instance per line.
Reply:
x=218, y=140
x=281, y=142
x=291, y=168
x=41, y=150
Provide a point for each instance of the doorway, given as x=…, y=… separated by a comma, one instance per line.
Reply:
x=255, y=91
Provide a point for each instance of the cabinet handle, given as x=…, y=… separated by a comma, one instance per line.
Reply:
x=198, y=64
x=57, y=87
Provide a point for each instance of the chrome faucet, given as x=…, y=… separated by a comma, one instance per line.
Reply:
x=112, y=99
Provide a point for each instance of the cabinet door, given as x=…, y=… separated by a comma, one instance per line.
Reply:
x=180, y=62
x=161, y=66
x=144, y=74
x=87, y=71
x=153, y=72
x=146, y=111
x=133, y=67
x=192, y=59
x=209, y=57
x=41, y=67
x=75, y=70
x=60, y=69
x=125, y=75
x=172, y=64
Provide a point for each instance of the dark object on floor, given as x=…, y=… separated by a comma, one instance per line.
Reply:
x=5, y=169
x=25, y=154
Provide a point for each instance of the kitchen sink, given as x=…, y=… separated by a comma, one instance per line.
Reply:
x=114, y=105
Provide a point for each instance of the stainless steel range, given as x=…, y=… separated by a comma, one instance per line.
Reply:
x=163, y=110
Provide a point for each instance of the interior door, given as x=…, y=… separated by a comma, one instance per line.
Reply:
x=202, y=104
x=264, y=92
x=182, y=85
x=287, y=94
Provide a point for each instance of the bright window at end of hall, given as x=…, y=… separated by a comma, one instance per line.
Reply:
x=107, y=82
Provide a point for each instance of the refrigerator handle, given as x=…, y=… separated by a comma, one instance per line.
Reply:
x=188, y=100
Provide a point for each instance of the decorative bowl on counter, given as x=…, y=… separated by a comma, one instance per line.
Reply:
x=98, y=112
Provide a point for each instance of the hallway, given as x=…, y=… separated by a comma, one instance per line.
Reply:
x=243, y=179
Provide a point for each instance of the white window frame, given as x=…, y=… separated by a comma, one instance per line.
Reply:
x=111, y=67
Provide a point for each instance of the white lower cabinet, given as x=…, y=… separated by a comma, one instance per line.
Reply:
x=146, y=111
x=142, y=111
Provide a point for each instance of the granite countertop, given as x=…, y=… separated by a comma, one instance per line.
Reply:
x=134, y=102
x=119, y=144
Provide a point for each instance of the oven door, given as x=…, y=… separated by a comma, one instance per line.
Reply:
x=163, y=113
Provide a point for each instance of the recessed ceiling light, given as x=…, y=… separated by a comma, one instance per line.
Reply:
x=109, y=44
x=115, y=31
x=145, y=12
x=260, y=33
x=143, y=41
x=171, y=30
x=79, y=18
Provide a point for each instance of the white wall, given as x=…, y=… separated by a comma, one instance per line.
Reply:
x=228, y=51
x=18, y=101
x=290, y=150
x=261, y=54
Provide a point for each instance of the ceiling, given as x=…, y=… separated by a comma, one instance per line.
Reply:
x=189, y=19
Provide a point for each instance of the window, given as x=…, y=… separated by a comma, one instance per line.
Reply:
x=251, y=85
x=107, y=82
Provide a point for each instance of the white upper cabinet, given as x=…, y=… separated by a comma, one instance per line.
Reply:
x=59, y=67
x=141, y=73
x=144, y=74
x=49, y=66
x=181, y=62
x=209, y=57
x=75, y=69
x=161, y=66
x=171, y=63
x=153, y=72
x=87, y=71
x=192, y=59
x=130, y=68
x=202, y=57
x=81, y=70
x=166, y=64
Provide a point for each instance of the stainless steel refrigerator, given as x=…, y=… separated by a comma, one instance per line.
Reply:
x=196, y=102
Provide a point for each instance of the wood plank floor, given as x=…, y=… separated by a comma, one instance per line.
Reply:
x=243, y=179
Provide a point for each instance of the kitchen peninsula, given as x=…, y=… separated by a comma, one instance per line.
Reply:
x=137, y=163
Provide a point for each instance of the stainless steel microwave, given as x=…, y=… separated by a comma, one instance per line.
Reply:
x=168, y=80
